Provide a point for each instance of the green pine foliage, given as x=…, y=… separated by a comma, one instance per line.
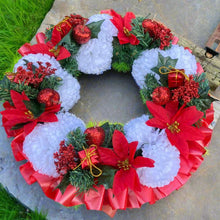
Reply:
x=77, y=139
x=204, y=101
x=82, y=179
x=150, y=84
x=52, y=82
x=124, y=53
x=146, y=42
x=6, y=86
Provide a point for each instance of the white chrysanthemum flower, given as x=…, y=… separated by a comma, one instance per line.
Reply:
x=157, y=147
x=95, y=57
x=107, y=30
x=34, y=58
x=40, y=145
x=149, y=59
x=69, y=90
x=136, y=129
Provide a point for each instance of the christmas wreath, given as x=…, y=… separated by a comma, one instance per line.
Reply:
x=107, y=166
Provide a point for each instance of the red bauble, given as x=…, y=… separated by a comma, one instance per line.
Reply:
x=49, y=97
x=149, y=26
x=161, y=95
x=95, y=135
x=81, y=34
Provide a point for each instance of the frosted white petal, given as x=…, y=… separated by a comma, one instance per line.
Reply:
x=149, y=59
x=37, y=57
x=136, y=130
x=107, y=30
x=95, y=57
x=69, y=89
x=166, y=166
x=40, y=145
x=155, y=146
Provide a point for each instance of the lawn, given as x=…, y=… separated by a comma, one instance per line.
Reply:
x=19, y=21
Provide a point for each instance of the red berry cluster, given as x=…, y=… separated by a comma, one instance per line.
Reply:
x=77, y=19
x=189, y=90
x=65, y=158
x=33, y=75
x=158, y=31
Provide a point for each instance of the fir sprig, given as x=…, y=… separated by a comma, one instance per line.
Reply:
x=204, y=101
x=77, y=139
x=81, y=179
x=6, y=86
x=150, y=84
x=52, y=82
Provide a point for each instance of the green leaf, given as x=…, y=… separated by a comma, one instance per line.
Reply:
x=167, y=62
x=95, y=28
x=64, y=183
x=107, y=177
x=18, y=126
x=35, y=107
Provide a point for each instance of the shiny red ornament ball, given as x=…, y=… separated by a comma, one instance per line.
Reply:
x=161, y=95
x=81, y=34
x=49, y=97
x=95, y=135
x=149, y=26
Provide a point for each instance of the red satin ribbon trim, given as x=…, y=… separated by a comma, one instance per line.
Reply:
x=44, y=48
x=103, y=199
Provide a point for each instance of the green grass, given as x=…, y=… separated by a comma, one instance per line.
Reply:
x=12, y=209
x=19, y=21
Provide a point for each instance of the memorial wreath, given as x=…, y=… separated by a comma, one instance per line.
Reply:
x=107, y=166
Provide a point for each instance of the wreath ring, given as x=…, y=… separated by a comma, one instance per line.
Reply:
x=112, y=166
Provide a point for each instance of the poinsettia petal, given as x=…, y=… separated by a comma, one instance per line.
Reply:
x=120, y=144
x=190, y=133
x=7, y=105
x=117, y=20
x=133, y=40
x=172, y=107
x=158, y=112
x=15, y=114
x=123, y=39
x=132, y=149
x=47, y=117
x=107, y=156
x=128, y=19
x=155, y=122
x=142, y=162
x=126, y=179
x=180, y=143
x=18, y=99
x=28, y=128
x=189, y=115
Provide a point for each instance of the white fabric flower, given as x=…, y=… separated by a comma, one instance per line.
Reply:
x=157, y=147
x=40, y=145
x=44, y=58
x=107, y=30
x=95, y=56
x=149, y=59
x=69, y=90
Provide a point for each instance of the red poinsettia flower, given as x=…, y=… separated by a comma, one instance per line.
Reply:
x=123, y=24
x=177, y=123
x=122, y=158
x=20, y=115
